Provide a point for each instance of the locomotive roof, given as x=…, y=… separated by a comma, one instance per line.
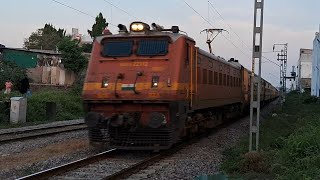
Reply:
x=173, y=36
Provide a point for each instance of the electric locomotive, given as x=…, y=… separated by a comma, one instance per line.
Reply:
x=148, y=88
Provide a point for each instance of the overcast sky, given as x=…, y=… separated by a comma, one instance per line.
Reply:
x=286, y=21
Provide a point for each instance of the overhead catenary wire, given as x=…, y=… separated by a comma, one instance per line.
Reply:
x=237, y=33
x=126, y=12
x=82, y=12
x=213, y=26
x=227, y=24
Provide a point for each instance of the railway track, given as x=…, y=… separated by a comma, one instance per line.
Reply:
x=115, y=164
x=99, y=166
x=111, y=164
x=12, y=136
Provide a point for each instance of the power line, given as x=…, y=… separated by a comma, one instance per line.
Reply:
x=271, y=61
x=237, y=33
x=227, y=24
x=126, y=12
x=77, y=10
x=213, y=26
x=197, y=12
x=73, y=8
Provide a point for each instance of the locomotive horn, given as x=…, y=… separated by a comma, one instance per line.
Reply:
x=122, y=28
x=157, y=27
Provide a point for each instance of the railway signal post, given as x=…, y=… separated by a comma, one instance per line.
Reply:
x=282, y=57
x=256, y=80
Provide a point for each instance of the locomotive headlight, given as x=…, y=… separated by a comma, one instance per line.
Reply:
x=134, y=27
x=105, y=83
x=155, y=81
x=137, y=27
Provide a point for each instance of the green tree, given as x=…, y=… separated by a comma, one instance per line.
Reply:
x=98, y=26
x=72, y=56
x=46, y=38
x=87, y=48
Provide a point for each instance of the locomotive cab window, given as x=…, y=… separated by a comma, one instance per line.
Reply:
x=117, y=48
x=153, y=47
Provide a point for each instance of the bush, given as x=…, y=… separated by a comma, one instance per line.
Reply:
x=11, y=71
x=290, y=143
x=78, y=84
x=69, y=105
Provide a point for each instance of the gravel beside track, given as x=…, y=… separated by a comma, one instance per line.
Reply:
x=106, y=167
x=22, y=158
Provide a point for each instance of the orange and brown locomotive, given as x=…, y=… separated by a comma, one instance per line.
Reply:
x=149, y=88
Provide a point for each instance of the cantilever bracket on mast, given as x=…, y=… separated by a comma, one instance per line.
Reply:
x=211, y=36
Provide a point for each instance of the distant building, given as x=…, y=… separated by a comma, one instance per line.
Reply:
x=315, y=86
x=25, y=58
x=304, y=70
x=84, y=39
x=43, y=66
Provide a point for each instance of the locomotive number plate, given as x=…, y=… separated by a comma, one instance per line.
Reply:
x=135, y=64
x=140, y=64
x=154, y=95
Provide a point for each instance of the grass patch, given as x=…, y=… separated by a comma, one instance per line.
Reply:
x=289, y=144
x=68, y=106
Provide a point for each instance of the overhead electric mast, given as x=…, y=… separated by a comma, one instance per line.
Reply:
x=256, y=80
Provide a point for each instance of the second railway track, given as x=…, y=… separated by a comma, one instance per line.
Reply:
x=12, y=136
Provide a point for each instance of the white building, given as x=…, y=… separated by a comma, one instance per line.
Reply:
x=315, y=86
x=304, y=70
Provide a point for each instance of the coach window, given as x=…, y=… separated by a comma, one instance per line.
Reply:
x=220, y=79
x=210, y=77
x=199, y=60
x=234, y=82
x=205, y=79
x=237, y=85
x=215, y=78
x=231, y=84
x=210, y=64
x=228, y=80
x=224, y=79
x=199, y=75
x=188, y=54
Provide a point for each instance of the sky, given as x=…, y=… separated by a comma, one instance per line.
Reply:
x=285, y=21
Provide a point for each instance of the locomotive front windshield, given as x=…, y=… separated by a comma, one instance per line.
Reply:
x=145, y=47
x=152, y=47
x=117, y=48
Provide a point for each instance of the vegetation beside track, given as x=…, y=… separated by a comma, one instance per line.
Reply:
x=68, y=106
x=289, y=144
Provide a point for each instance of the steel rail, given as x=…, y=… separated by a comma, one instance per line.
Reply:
x=69, y=167
x=154, y=159
x=39, y=132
